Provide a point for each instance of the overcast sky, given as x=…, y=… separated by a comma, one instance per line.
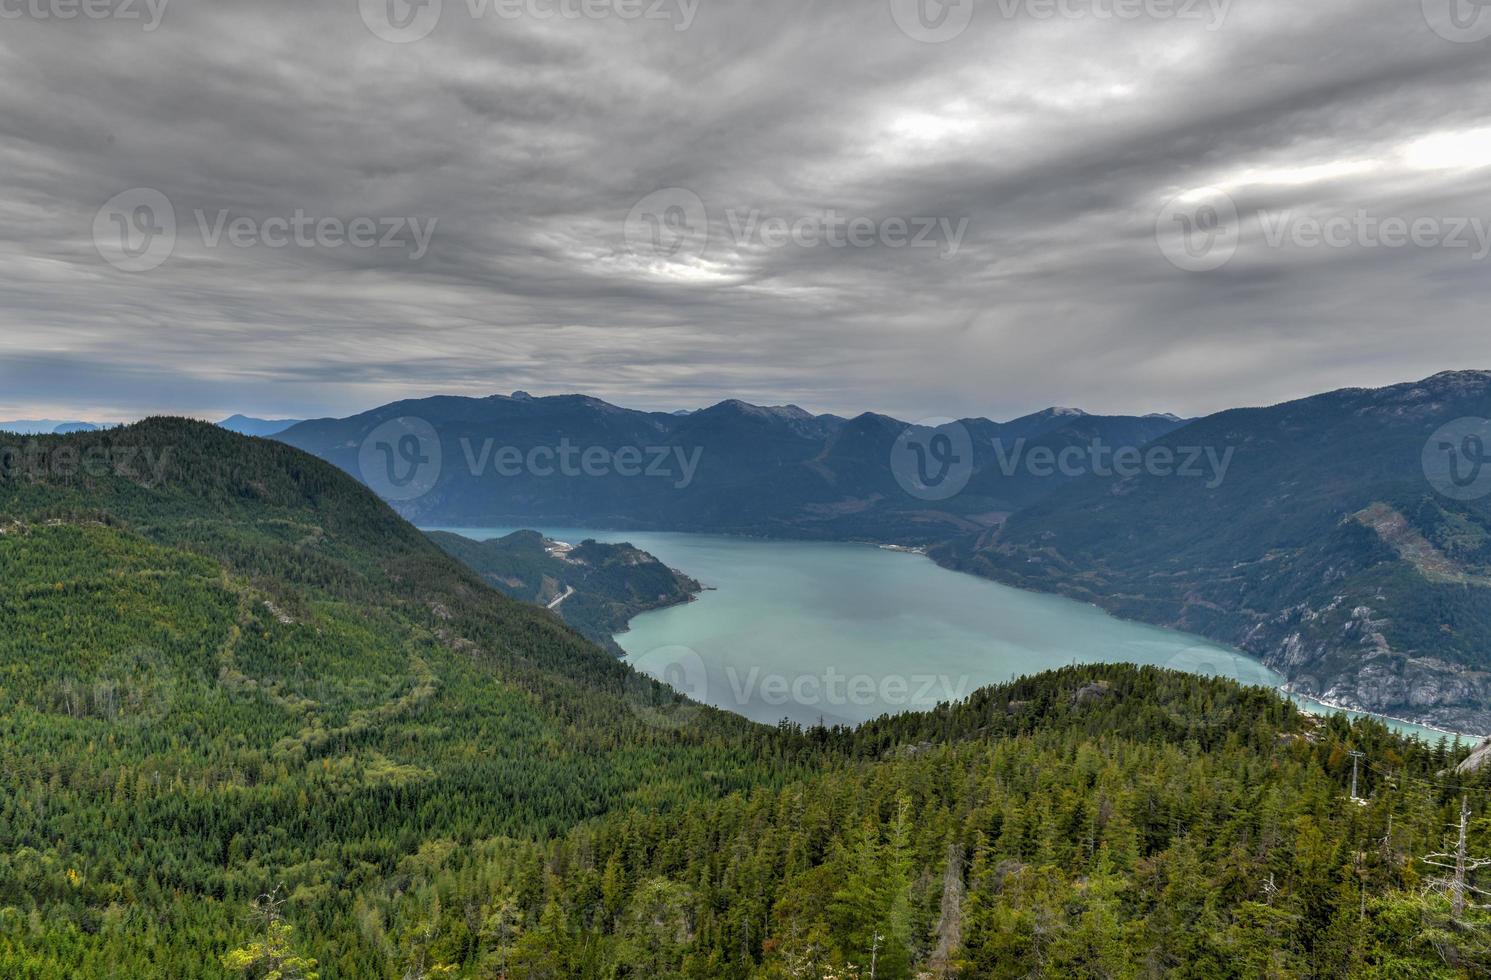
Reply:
x=1034, y=156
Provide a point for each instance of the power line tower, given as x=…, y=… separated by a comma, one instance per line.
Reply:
x=1356, y=758
x=1462, y=864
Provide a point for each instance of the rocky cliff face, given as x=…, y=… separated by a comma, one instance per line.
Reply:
x=1477, y=760
x=1418, y=689
x=1341, y=655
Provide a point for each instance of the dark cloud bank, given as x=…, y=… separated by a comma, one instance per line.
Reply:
x=954, y=228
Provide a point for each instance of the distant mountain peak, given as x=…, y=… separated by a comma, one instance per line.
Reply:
x=1472, y=373
x=588, y=401
x=249, y=426
x=780, y=411
x=1457, y=380
x=1443, y=383
x=247, y=418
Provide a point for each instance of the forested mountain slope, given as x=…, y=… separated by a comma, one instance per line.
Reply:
x=242, y=669
x=225, y=667
x=1095, y=822
x=597, y=587
x=1327, y=550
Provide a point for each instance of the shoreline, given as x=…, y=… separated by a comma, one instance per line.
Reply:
x=1283, y=689
x=1333, y=706
x=924, y=552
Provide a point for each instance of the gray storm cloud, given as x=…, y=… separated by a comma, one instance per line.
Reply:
x=819, y=139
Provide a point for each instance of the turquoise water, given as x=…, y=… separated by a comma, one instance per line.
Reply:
x=841, y=633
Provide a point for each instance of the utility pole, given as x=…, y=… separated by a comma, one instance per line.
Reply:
x=1355, y=758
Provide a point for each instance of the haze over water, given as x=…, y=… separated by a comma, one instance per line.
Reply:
x=842, y=633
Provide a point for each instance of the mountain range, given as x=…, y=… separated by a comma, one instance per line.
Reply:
x=730, y=468
x=242, y=424
x=46, y=427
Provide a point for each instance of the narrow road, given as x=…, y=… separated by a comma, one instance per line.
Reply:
x=569, y=591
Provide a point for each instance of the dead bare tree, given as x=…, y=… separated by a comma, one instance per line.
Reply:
x=950, y=923
x=1458, y=884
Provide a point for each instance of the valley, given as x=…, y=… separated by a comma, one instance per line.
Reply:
x=1317, y=536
